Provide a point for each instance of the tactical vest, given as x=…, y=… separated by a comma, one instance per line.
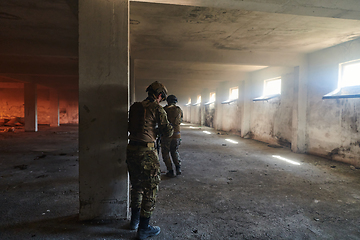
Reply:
x=143, y=118
x=174, y=114
x=137, y=117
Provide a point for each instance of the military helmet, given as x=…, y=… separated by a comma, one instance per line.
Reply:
x=171, y=99
x=157, y=88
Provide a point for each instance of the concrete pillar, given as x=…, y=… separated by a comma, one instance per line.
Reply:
x=132, y=81
x=54, y=108
x=299, y=120
x=246, y=101
x=187, y=113
x=205, y=97
x=30, y=99
x=222, y=94
x=192, y=108
x=103, y=108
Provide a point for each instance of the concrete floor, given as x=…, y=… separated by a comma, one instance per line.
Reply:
x=226, y=191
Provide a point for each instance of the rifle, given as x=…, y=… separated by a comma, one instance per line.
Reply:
x=158, y=138
x=158, y=143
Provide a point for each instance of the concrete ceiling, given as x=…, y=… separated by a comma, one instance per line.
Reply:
x=188, y=44
x=160, y=26
x=38, y=43
x=345, y=9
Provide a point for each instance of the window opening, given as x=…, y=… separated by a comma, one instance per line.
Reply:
x=272, y=89
x=234, y=93
x=198, y=101
x=349, y=81
x=349, y=74
x=272, y=86
x=212, y=98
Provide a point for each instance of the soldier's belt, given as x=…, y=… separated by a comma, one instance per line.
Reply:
x=142, y=144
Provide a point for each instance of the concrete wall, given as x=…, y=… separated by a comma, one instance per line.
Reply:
x=69, y=107
x=333, y=124
x=231, y=117
x=271, y=121
x=209, y=115
x=43, y=106
x=12, y=105
x=187, y=113
x=11, y=102
x=222, y=94
x=195, y=114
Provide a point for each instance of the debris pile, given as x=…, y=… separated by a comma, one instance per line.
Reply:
x=8, y=125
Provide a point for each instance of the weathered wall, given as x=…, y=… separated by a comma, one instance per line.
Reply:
x=227, y=116
x=11, y=102
x=333, y=124
x=271, y=121
x=69, y=107
x=43, y=106
x=209, y=115
x=195, y=114
x=231, y=117
x=12, y=105
x=187, y=113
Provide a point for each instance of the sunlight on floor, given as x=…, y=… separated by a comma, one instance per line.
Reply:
x=232, y=141
x=286, y=160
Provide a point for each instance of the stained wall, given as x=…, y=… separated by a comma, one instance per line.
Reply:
x=333, y=124
x=12, y=105
x=271, y=120
x=209, y=115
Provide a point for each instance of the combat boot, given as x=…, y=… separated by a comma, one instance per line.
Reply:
x=170, y=174
x=178, y=170
x=145, y=230
x=135, y=218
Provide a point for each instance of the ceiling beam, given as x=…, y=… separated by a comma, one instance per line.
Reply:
x=49, y=81
x=221, y=57
x=189, y=76
x=38, y=65
x=345, y=9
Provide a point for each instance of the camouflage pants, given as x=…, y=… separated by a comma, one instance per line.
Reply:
x=144, y=170
x=170, y=145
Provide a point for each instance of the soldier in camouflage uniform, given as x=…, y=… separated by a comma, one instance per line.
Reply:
x=142, y=159
x=175, y=116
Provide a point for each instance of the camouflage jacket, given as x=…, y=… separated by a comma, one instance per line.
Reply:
x=144, y=117
x=175, y=116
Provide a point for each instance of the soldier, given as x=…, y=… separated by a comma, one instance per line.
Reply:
x=175, y=116
x=142, y=159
